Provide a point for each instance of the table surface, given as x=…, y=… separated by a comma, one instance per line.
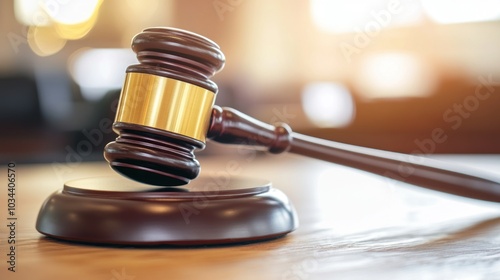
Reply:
x=353, y=225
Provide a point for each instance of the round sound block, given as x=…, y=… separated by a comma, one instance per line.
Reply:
x=115, y=210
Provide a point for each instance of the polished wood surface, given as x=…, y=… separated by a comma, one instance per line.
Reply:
x=115, y=210
x=353, y=225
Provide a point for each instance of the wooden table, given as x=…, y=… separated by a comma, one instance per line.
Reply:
x=353, y=225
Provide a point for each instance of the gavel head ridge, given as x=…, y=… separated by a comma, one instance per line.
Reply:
x=165, y=107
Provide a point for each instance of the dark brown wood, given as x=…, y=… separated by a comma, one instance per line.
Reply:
x=232, y=127
x=151, y=155
x=114, y=210
x=177, y=54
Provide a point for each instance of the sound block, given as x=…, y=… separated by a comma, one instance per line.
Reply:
x=208, y=211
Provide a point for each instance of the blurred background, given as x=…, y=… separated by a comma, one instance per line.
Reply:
x=412, y=76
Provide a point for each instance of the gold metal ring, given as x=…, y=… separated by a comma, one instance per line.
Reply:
x=166, y=104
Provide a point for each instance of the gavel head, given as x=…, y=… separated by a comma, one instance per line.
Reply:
x=165, y=107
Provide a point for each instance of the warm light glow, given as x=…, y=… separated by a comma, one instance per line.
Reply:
x=328, y=104
x=76, y=31
x=97, y=71
x=45, y=12
x=368, y=16
x=44, y=41
x=394, y=75
x=455, y=11
x=70, y=12
x=52, y=22
x=30, y=13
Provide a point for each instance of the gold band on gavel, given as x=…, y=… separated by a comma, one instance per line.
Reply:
x=166, y=104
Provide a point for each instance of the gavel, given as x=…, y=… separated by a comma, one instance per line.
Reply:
x=166, y=112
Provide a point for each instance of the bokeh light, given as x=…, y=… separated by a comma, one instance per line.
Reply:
x=364, y=15
x=70, y=12
x=30, y=13
x=77, y=30
x=52, y=22
x=394, y=75
x=98, y=71
x=457, y=11
x=328, y=104
x=44, y=40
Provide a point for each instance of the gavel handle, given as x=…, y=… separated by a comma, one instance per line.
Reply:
x=233, y=127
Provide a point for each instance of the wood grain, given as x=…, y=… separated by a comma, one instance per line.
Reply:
x=353, y=225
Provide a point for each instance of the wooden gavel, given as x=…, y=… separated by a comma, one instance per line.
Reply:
x=166, y=112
